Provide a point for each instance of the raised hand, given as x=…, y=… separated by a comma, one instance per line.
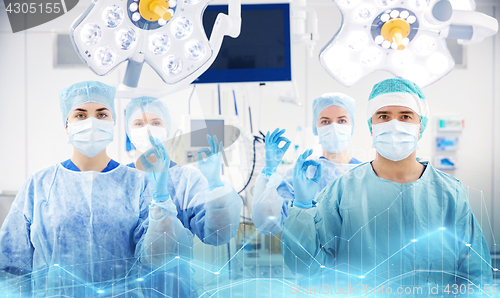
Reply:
x=157, y=172
x=305, y=188
x=274, y=154
x=211, y=167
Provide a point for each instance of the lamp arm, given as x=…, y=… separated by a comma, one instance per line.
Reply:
x=465, y=21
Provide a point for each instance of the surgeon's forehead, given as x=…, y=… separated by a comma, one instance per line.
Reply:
x=333, y=112
x=148, y=116
x=395, y=110
x=90, y=106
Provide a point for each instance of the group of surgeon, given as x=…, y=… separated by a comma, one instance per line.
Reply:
x=91, y=225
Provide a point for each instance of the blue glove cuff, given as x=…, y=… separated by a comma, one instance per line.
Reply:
x=268, y=172
x=304, y=205
x=215, y=184
x=158, y=198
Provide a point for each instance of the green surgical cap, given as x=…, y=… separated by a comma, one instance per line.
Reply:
x=398, y=92
x=396, y=85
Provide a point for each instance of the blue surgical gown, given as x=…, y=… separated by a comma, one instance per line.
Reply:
x=79, y=234
x=225, y=224
x=365, y=229
x=272, y=195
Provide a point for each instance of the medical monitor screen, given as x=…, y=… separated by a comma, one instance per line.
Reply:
x=262, y=51
x=200, y=129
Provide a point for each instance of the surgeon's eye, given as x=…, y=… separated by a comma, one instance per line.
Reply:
x=342, y=121
x=406, y=117
x=156, y=123
x=325, y=122
x=102, y=115
x=80, y=116
x=138, y=124
x=383, y=117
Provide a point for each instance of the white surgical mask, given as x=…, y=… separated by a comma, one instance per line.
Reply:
x=140, y=136
x=335, y=137
x=91, y=136
x=395, y=140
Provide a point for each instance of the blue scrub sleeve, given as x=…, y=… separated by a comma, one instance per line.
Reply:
x=272, y=195
x=165, y=240
x=160, y=237
x=16, y=249
x=310, y=236
x=474, y=265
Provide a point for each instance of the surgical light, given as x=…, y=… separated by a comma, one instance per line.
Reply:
x=364, y=13
x=162, y=22
x=437, y=63
x=425, y=45
x=113, y=16
x=419, y=4
x=402, y=59
x=126, y=38
x=371, y=56
x=159, y=43
x=136, y=16
x=90, y=34
x=167, y=35
x=182, y=28
x=105, y=56
x=385, y=3
x=351, y=72
x=195, y=50
x=406, y=38
x=172, y=65
x=357, y=41
x=133, y=6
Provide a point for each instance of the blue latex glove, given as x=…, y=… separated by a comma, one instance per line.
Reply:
x=274, y=154
x=305, y=188
x=157, y=173
x=211, y=167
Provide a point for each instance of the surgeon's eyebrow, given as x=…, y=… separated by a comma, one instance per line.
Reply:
x=407, y=112
x=102, y=109
x=382, y=112
x=80, y=110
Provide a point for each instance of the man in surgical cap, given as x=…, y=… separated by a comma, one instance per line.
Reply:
x=333, y=123
x=394, y=220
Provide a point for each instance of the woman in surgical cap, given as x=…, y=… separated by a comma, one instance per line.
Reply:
x=205, y=205
x=89, y=226
x=333, y=122
x=145, y=116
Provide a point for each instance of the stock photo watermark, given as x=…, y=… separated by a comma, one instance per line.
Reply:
x=363, y=289
x=28, y=14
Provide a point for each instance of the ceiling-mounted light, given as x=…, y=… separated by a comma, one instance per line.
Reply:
x=167, y=35
x=406, y=38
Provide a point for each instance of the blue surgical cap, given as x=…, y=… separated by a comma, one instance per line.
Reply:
x=333, y=99
x=398, y=92
x=83, y=92
x=146, y=104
